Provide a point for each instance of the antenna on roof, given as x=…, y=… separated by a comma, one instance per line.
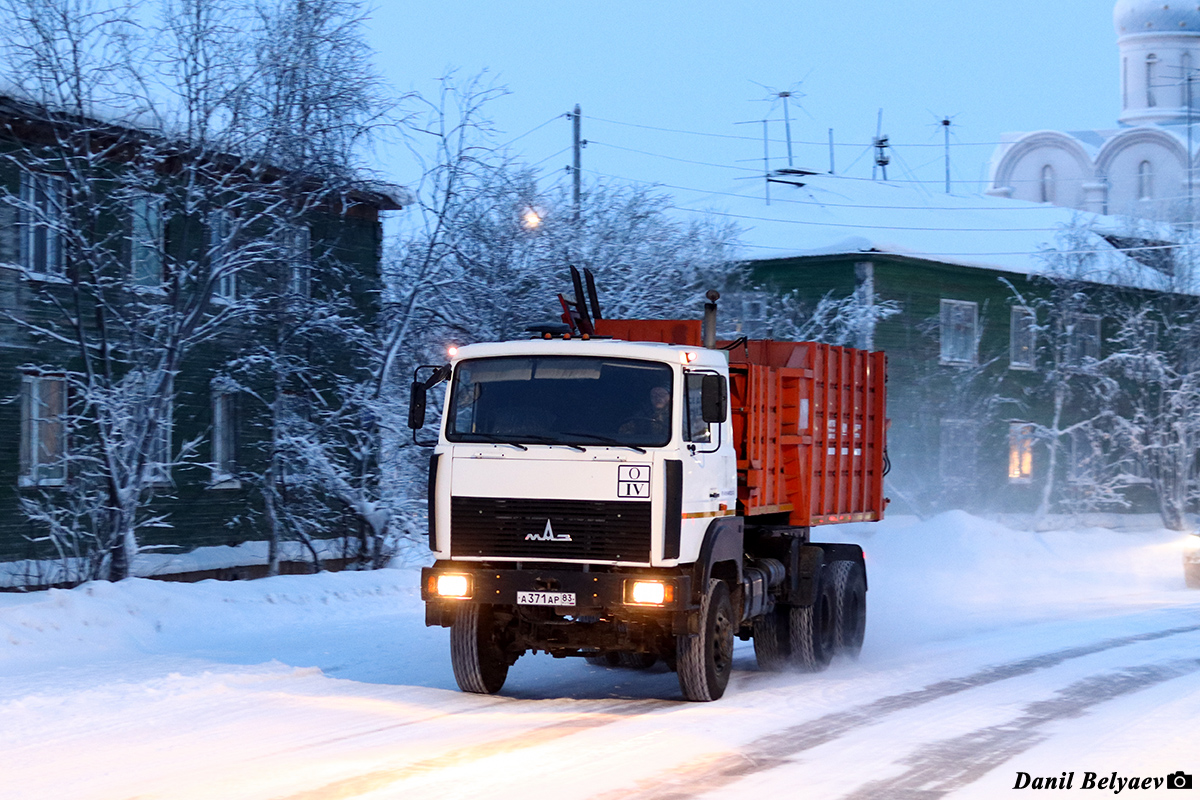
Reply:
x=945, y=122
x=880, y=142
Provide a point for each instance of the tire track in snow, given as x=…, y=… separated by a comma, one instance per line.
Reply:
x=777, y=748
x=520, y=739
x=940, y=768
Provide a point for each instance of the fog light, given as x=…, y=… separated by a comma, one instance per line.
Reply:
x=453, y=586
x=648, y=593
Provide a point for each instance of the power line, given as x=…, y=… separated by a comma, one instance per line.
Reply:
x=534, y=129
x=552, y=155
x=774, y=199
x=675, y=158
x=778, y=141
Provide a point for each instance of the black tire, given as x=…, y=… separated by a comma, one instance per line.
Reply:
x=705, y=660
x=479, y=661
x=813, y=637
x=850, y=606
x=772, y=644
x=604, y=659
x=637, y=660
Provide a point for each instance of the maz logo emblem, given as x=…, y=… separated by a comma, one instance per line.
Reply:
x=548, y=535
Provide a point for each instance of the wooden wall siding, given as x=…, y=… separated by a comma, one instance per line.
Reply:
x=199, y=515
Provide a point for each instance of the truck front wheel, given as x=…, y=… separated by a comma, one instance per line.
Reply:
x=476, y=652
x=706, y=659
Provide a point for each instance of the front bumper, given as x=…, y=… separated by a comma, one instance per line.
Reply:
x=596, y=593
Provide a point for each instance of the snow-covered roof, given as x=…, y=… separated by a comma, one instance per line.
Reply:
x=822, y=214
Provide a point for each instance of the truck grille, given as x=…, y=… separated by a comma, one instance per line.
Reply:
x=517, y=528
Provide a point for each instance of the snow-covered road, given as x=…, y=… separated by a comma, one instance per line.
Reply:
x=990, y=652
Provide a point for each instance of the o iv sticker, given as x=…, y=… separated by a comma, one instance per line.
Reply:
x=633, y=480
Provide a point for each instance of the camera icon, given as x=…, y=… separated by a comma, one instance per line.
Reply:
x=1178, y=780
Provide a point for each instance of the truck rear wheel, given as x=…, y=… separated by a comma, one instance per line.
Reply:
x=706, y=659
x=609, y=659
x=479, y=661
x=772, y=645
x=813, y=637
x=850, y=606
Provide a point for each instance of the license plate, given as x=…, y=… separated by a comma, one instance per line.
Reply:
x=545, y=598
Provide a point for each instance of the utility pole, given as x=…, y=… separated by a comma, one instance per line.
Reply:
x=787, y=124
x=946, y=129
x=1188, y=78
x=882, y=159
x=577, y=169
x=766, y=163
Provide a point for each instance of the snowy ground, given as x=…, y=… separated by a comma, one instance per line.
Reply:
x=989, y=652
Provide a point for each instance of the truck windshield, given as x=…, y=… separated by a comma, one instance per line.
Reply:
x=574, y=400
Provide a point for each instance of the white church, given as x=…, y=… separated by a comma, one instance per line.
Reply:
x=1142, y=167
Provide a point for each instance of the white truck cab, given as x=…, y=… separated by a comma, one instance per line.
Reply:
x=562, y=452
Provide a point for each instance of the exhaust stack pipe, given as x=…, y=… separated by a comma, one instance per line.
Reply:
x=710, y=319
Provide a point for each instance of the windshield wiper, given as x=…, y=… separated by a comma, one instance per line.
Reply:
x=531, y=437
x=607, y=440
x=495, y=439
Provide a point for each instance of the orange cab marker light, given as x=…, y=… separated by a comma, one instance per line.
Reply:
x=452, y=351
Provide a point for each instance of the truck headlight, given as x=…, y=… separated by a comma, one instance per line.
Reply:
x=650, y=593
x=452, y=586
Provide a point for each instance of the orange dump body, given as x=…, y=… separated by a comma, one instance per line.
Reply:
x=809, y=423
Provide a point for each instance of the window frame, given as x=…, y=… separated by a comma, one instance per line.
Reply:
x=297, y=247
x=219, y=231
x=686, y=422
x=963, y=436
x=147, y=241
x=224, y=439
x=41, y=212
x=946, y=309
x=1021, y=438
x=30, y=465
x=1017, y=315
x=1075, y=355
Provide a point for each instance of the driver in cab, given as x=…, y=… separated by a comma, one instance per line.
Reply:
x=657, y=422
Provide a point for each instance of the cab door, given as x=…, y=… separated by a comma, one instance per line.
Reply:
x=709, y=484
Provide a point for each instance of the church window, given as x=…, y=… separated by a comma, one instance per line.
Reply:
x=1145, y=181
x=1124, y=83
x=1047, y=184
x=1185, y=94
x=1151, y=63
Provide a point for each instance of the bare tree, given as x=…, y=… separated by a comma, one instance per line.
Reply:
x=152, y=219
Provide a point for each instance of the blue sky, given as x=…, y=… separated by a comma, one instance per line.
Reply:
x=995, y=67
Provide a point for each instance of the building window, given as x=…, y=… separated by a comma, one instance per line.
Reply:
x=146, y=241
x=1083, y=339
x=297, y=247
x=1124, y=83
x=1145, y=181
x=1185, y=66
x=157, y=468
x=1151, y=69
x=959, y=323
x=1020, y=452
x=220, y=231
x=1022, y=340
x=224, y=439
x=956, y=451
x=1085, y=462
x=1047, y=184
x=42, y=212
x=43, y=430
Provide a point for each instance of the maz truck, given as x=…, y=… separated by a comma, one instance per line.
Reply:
x=633, y=490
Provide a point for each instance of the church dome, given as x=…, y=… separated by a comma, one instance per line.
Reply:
x=1132, y=17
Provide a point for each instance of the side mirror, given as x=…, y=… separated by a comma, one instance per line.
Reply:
x=416, y=405
x=713, y=399
x=418, y=397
